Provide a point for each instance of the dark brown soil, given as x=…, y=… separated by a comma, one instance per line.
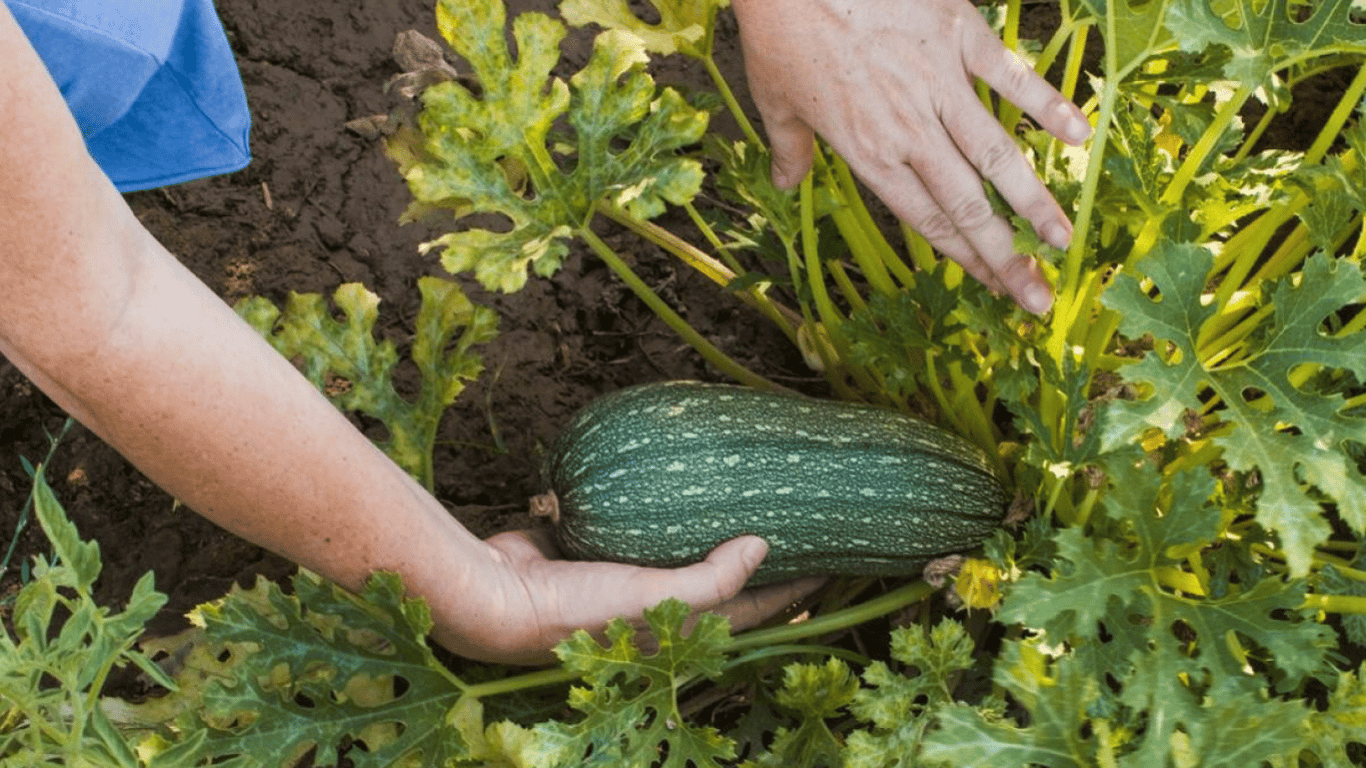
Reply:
x=318, y=207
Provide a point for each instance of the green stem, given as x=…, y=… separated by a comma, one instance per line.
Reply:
x=834, y=622
x=830, y=317
x=851, y=227
x=769, y=651
x=732, y=104
x=711, y=237
x=1198, y=154
x=783, y=317
x=872, y=235
x=1331, y=129
x=1087, y=200
x=1076, y=54
x=922, y=253
x=527, y=680
x=1335, y=603
x=946, y=409
x=784, y=634
x=1254, y=136
x=709, y=351
x=1008, y=114
x=970, y=409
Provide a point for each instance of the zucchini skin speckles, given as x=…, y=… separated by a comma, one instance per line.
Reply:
x=659, y=474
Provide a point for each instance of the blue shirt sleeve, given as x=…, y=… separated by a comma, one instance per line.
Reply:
x=152, y=84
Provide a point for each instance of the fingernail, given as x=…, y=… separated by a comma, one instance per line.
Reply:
x=755, y=551
x=1077, y=129
x=1037, y=299
x=1057, y=234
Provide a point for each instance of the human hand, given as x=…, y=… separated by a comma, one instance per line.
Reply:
x=539, y=599
x=888, y=85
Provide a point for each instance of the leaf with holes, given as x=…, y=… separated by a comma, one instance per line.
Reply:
x=1294, y=438
x=346, y=362
x=326, y=671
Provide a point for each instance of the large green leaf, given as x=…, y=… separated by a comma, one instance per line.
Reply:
x=900, y=706
x=324, y=670
x=1268, y=35
x=630, y=713
x=1133, y=31
x=1158, y=521
x=630, y=708
x=1293, y=437
x=1057, y=697
x=815, y=693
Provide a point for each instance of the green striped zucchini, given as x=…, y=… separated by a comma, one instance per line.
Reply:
x=659, y=474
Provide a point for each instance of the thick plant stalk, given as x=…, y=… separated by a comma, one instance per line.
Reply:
x=783, y=317
x=784, y=634
x=723, y=362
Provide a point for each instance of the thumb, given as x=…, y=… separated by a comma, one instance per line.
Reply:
x=792, y=143
x=726, y=569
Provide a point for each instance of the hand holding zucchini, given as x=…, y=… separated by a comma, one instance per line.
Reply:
x=659, y=474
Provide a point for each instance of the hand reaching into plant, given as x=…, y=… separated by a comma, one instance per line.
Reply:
x=889, y=85
x=538, y=599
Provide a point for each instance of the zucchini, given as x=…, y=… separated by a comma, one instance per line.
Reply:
x=659, y=474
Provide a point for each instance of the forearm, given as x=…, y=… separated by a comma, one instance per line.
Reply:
x=212, y=414
x=120, y=334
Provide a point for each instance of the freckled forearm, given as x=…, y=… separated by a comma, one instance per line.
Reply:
x=119, y=333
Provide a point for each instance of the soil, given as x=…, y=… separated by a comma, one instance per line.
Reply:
x=319, y=206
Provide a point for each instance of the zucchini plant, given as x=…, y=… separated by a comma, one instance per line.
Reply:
x=1186, y=427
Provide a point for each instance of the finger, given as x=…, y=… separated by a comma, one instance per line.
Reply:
x=755, y=605
x=957, y=188
x=723, y=574
x=947, y=228
x=900, y=188
x=793, y=144
x=996, y=157
x=1008, y=75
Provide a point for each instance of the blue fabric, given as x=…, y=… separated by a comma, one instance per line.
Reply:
x=152, y=84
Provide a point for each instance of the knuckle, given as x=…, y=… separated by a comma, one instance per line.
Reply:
x=1013, y=76
x=996, y=158
x=936, y=226
x=970, y=214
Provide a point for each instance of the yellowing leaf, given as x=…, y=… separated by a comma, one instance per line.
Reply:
x=345, y=361
x=685, y=26
x=296, y=656
x=497, y=154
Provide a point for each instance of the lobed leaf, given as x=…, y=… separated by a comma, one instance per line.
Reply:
x=630, y=707
x=343, y=359
x=816, y=693
x=1293, y=437
x=495, y=153
x=1270, y=35
x=329, y=672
